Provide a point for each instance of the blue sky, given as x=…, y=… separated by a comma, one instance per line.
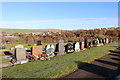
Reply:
x=59, y=15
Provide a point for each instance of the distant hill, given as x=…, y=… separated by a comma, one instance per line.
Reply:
x=27, y=30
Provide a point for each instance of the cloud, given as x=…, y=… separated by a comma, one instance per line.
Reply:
x=67, y=24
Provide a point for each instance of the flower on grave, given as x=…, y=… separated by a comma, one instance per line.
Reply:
x=42, y=58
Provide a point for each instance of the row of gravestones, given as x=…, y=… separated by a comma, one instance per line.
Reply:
x=61, y=49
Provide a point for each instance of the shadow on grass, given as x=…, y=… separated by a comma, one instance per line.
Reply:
x=115, y=59
x=7, y=53
x=114, y=51
x=98, y=70
x=108, y=62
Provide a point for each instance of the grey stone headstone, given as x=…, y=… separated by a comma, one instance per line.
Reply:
x=20, y=54
x=61, y=48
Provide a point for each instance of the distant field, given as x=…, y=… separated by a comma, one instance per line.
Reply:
x=27, y=30
x=57, y=66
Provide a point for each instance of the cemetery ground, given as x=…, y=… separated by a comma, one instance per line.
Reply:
x=57, y=66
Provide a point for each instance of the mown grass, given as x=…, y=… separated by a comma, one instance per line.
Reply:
x=2, y=60
x=57, y=66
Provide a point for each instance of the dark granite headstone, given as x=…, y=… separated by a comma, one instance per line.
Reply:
x=69, y=48
x=39, y=43
x=103, y=41
x=94, y=42
x=86, y=43
x=90, y=44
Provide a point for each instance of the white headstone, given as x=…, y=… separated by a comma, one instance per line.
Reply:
x=77, y=47
x=50, y=50
x=19, y=46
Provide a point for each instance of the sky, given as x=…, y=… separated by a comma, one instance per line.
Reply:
x=59, y=15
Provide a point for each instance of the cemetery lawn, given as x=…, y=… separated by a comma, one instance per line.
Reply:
x=57, y=66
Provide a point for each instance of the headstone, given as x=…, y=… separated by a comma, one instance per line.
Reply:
x=110, y=40
x=82, y=45
x=36, y=50
x=107, y=40
x=97, y=41
x=100, y=40
x=20, y=55
x=39, y=43
x=61, y=48
x=77, y=47
x=69, y=48
x=94, y=42
x=50, y=49
x=103, y=41
x=19, y=46
x=90, y=44
x=86, y=42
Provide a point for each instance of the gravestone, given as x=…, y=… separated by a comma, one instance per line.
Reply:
x=94, y=42
x=69, y=48
x=107, y=40
x=110, y=40
x=20, y=55
x=82, y=45
x=103, y=41
x=36, y=50
x=61, y=48
x=19, y=46
x=100, y=40
x=39, y=43
x=77, y=47
x=97, y=41
x=86, y=43
x=90, y=44
x=50, y=49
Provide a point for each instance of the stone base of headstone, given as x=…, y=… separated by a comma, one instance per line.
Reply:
x=21, y=62
x=51, y=54
x=77, y=50
x=62, y=53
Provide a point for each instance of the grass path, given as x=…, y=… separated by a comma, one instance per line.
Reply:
x=57, y=66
